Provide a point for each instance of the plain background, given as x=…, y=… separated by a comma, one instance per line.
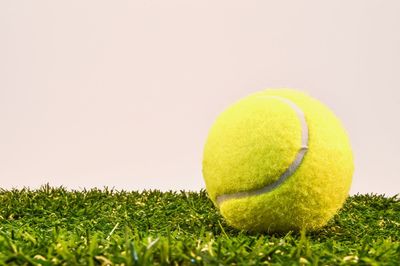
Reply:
x=122, y=93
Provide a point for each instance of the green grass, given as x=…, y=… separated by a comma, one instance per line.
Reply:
x=101, y=227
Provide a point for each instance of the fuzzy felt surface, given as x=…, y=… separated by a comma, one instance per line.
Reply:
x=250, y=145
x=254, y=141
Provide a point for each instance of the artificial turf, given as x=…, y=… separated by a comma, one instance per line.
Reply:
x=108, y=227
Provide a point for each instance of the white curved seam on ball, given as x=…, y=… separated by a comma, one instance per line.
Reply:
x=292, y=167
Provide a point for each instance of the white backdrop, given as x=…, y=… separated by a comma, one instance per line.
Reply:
x=122, y=93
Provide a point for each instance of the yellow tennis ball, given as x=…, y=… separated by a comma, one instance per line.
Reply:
x=277, y=160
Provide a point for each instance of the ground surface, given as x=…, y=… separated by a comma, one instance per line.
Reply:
x=54, y=226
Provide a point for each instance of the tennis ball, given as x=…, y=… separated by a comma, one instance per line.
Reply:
x=277, y=160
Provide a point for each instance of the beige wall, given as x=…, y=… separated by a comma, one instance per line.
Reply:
x=122, y=93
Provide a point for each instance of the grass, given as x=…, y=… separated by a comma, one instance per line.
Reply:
x=106, y=227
